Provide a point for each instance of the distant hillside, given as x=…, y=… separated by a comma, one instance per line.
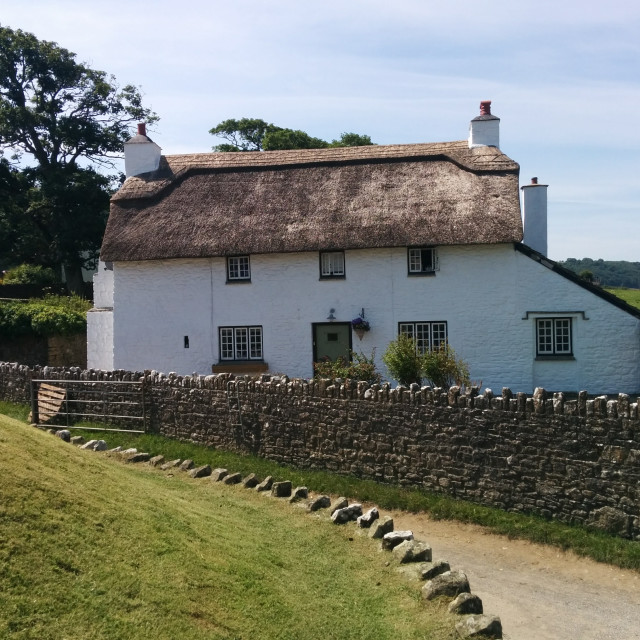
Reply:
x=609, y=273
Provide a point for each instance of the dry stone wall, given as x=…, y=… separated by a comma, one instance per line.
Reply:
x=574, y=460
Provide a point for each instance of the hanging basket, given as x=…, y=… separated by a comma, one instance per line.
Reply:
x=359, y=331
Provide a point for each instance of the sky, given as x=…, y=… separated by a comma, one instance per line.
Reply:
x=563, y=77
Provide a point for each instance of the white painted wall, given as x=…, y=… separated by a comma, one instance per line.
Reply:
x=100, y=339
x=483, y=292
x=484, y=132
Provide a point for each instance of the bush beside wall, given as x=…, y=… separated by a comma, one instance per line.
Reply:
x=574, y=460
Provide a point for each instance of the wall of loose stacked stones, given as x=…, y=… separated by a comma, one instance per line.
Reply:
x=577, y=461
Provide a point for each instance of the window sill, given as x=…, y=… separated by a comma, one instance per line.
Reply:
x=240, y=366
x=422, y=274
x=239, y=281
x=333, y=277
x=565, y=357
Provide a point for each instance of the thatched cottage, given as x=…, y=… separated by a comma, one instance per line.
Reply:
x=266, y=261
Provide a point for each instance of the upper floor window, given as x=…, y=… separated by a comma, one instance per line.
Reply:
x=240, y=343
x=422, y=261
x=238, y=268
x=553, y=337
x=332, y=264
x=428, y=335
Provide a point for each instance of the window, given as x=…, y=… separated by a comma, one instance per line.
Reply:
x=240, y=343
x=422, y=261
x=332, y=264
x=553, y=336
x=428, y=335
x=238, y=269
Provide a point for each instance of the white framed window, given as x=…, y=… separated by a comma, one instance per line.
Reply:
x=428, y=335
x=240, y=343
x=422, y=261
x=553, y=337
x=332, y=264
x=238, y=268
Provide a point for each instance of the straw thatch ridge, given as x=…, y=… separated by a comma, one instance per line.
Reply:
x=218, y=204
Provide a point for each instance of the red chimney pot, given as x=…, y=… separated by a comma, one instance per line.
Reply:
x=142, y=129
x=485, y=108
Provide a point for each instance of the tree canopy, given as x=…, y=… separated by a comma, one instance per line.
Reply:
x=58, y=118
x=254, y=134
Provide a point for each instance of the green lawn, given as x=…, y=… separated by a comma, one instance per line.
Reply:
x=91, y=547
x=631, y=296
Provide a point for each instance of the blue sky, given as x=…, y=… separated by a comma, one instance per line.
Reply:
x=563, y=76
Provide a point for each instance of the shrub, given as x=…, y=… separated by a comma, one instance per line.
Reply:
x=30, y=274
x=53, y=315
x=403, y=360
x=440, y=367
x=360, y=367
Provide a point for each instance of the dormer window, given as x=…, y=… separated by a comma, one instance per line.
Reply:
x=332, y=264
x=238, y=269
x=422, y=261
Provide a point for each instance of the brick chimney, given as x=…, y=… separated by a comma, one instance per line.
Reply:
x=534, y=212
x=141, y=153
x=484, y=130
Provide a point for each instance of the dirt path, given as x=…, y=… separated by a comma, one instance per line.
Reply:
x=540, y=593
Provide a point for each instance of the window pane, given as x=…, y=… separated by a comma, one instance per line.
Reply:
x=438, y=334
x=422, y=337
x=407, y=329
x=255, y=343
x=415, y=262
x=422, y=260
x=226, y=344
x=426, y=259
x=545, y=336
x=563, y=335
x=242, y=351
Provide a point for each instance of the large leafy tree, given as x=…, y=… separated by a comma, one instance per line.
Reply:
x=58, y=120
x=254, y=134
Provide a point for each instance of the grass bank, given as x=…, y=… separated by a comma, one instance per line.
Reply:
x=596, y=545
x=94, y=548
x=630, y=296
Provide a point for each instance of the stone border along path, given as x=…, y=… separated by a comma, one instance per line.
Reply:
x=440, y=580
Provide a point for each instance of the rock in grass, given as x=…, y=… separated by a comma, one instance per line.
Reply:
x=466, y=603
x=299, y=493
x=412, y=551
x=217, y=475
x=433, y=569
x=171, y=464
x=156, y=461
x=250, y=481
x=185, y=465
x=367, y=519
x=381, y=527
x=139, y=456
x=321, y=502
x=232, y=478
x=200, y=472
x=77, y=440
x=64, y=434
x=393, y=539
x=281, y=489
x=480, y=626
x=347, y=514
x=266, y=484
x=450, y=583
x=339, y=503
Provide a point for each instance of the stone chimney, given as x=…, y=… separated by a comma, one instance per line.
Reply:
x=484, y=130
x=141, y=153
x=534, y=212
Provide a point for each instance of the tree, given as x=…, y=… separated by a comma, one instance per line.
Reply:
x=253, y=134
x=57, y=117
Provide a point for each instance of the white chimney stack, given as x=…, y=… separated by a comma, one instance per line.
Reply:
x=534, y=211
x=141, y=153
x=484, y=130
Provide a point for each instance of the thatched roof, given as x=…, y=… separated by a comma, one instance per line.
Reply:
x=218, y=204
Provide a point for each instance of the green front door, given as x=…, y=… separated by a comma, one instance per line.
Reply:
x=331, y=340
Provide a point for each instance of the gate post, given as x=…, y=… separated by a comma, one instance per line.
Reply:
x=35, y=416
